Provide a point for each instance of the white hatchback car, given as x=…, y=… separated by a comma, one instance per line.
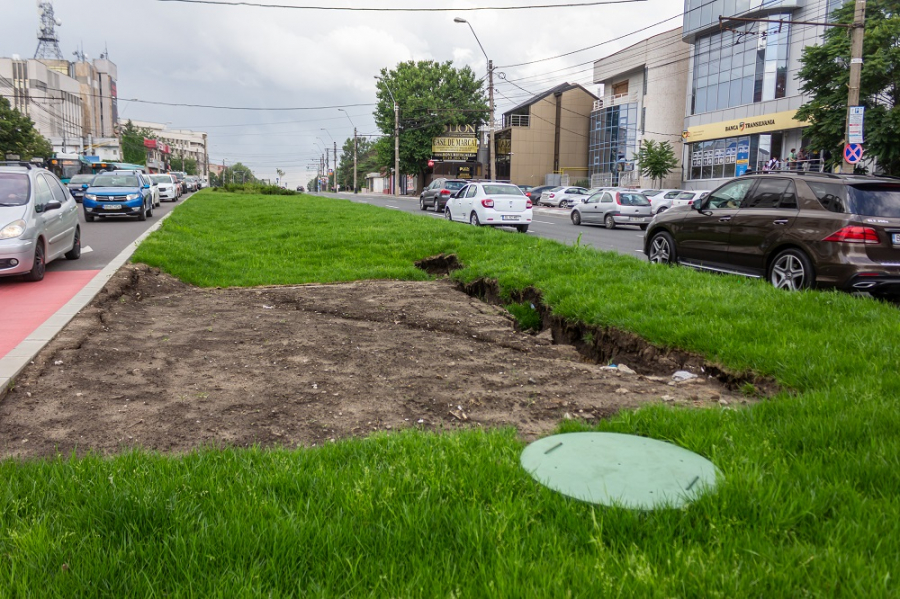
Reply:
x=661, y=199
x=686, y=198
x=38, y=221
x=491, y=204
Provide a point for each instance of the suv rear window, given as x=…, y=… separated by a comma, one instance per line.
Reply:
x=876, y=199
x=864, y=199
x=13, y=189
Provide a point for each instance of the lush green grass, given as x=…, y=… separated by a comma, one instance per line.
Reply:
x=808, y=505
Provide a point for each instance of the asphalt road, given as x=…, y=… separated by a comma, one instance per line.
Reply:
x=551, y=223
x=103, y=239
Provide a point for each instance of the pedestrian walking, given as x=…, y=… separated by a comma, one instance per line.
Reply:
x=792, y=159
x=802, y=159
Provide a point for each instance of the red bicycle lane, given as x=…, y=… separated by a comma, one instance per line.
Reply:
x=26, y=306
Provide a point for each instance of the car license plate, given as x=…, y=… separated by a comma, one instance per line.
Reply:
x=505, y=217
x=639, y=219
x=895, y=238
x=112, y=207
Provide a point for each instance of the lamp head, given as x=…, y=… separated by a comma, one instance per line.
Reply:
x=459, y=20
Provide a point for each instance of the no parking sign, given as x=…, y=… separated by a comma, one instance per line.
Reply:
x=853, y=153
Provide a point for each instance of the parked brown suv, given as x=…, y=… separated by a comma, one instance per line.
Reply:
x=796, y=229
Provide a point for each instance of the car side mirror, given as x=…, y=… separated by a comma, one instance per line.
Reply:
x=697, y=205
x=52, y=206
x=84, y=186
x=145, y=186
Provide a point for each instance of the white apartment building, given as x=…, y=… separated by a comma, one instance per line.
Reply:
x=742, y=90
x=182, y=143
x=50, y=98
x=641, y=87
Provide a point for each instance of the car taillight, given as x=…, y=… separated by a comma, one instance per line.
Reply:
x=527, y=194
x=618, y=199
x=866, y=235
x=552, y=195
x=528, y=205
x=487, y=203
x=445, y=192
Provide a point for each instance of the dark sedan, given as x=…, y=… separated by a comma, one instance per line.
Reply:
x=76, y=185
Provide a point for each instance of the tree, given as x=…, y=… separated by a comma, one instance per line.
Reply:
x=430, y=95
x=18, y=135
x=132, y=139
x=280, y=174
x=366, y=162
x=825, y=76
x=237, y=174
x=186, y=165
x=656, y=160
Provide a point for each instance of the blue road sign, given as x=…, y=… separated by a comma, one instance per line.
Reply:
x=853, y=153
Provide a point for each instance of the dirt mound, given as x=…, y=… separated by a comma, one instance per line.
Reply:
x=155, y=363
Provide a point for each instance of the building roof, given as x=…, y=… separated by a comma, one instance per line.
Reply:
x=561, y=88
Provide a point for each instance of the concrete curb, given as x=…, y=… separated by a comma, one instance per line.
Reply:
x=21, y=356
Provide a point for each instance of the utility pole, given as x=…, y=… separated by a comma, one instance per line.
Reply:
x=856, y=63
x=491, y=155
x=335, y=164
x=396, y=148
x=355, y=147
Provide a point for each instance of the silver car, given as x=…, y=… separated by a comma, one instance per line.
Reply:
x=614, y=207
x=564, y=196
x=38, y=221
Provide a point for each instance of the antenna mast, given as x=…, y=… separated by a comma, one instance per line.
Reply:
x=48, y=42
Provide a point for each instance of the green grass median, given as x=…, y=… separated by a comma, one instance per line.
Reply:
x=808, y=504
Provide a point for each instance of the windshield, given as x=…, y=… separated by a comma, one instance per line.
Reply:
x=454, y=185
x=503, y=190
x=633, y=199
x=115, y=181
x=161, y=179
x=81, y=179
x=13, y=189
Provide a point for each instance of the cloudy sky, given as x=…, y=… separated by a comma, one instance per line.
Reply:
x=276, y=58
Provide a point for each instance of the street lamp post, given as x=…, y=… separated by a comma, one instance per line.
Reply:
x=490, y=67
x=355, y=189
x=396, y=137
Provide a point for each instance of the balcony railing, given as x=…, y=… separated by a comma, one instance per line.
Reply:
x=517, y=120
x=630, y=98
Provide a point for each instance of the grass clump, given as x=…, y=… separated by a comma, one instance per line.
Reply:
x=527, y=316
x=807, y=506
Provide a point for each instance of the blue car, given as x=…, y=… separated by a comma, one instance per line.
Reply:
x=118, y=194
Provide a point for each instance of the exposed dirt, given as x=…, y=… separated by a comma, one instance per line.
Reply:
x=155, y=363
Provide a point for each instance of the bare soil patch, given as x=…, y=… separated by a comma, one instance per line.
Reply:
x=158, y=364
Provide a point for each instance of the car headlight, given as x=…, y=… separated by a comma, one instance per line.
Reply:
x=13, y=229
x=133, y=196
x=90, y=196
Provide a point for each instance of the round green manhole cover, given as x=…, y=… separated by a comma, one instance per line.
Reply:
x=623, y=470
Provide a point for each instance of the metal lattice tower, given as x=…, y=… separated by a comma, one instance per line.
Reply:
x=48, y=43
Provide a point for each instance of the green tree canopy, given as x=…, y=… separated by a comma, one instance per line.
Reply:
x=233, y=174
x=18, y=135
x=186, y=165
x=656, y=159
x=133, y=150
x=430, y=95
x=825, y=76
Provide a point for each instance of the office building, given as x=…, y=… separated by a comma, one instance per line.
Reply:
x=743, y=91
x=641, y=85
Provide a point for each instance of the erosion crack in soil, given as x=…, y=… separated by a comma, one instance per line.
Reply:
x=158, y=364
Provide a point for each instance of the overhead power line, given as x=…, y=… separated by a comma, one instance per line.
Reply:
x=398, y=9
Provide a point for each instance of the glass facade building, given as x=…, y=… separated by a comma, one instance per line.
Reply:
x=744, y=90
x=613, y=139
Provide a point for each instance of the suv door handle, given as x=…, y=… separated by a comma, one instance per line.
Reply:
x=780, y=221
x=724, y=219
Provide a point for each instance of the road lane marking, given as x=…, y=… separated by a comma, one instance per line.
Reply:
x=87, y=249
x=543, y=222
